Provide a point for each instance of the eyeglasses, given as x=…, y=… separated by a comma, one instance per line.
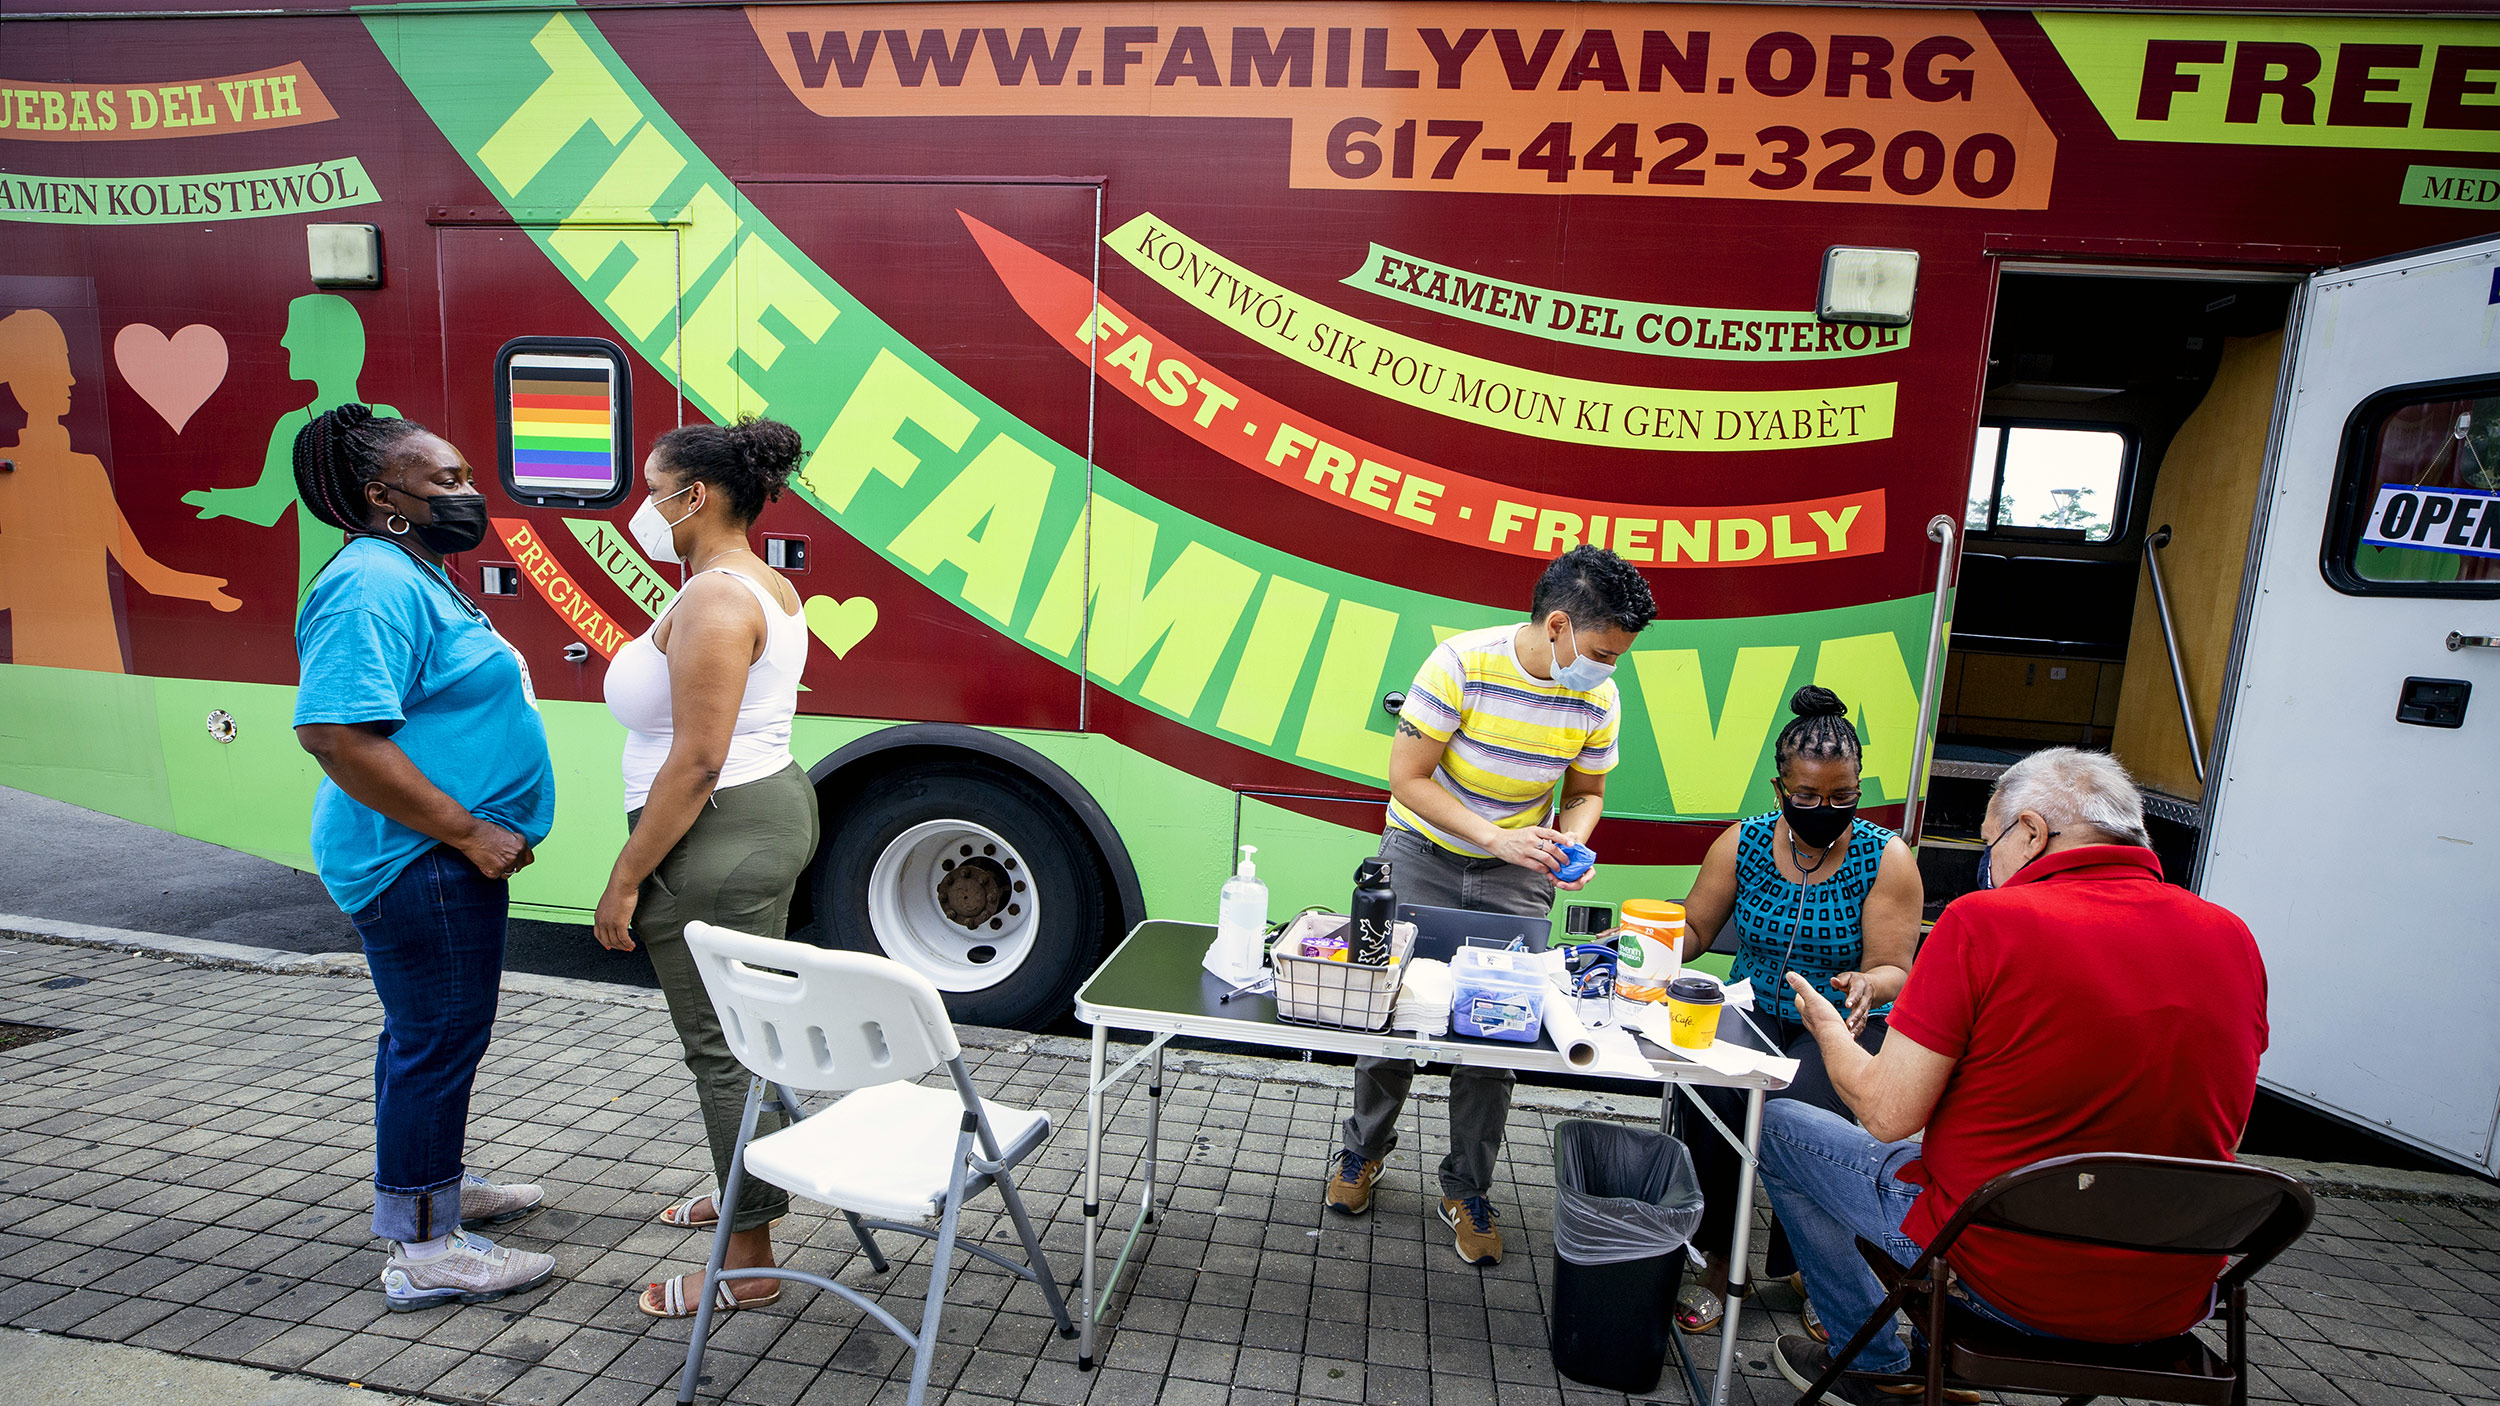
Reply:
x=1808, y=801
x=1987, y=866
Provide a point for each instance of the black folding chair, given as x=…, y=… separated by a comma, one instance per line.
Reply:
x=2121, y=1200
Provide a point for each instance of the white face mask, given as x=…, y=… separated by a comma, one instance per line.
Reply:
x=653, y=532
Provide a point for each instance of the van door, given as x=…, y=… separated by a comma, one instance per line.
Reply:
x=2351, y=819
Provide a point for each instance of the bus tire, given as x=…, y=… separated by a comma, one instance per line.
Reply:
x=975, y=877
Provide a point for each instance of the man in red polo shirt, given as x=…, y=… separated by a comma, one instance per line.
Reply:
x=2082, y=1005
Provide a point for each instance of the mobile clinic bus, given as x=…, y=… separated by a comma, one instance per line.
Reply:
x=1175, y=376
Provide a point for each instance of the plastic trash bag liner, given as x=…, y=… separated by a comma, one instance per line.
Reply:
x=1621, y=1193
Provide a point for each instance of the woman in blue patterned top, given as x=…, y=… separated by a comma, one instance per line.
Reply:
x=1811, y=889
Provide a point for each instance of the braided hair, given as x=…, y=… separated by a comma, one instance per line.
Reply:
x=342, y=450
x=750, y=460
x=1820, y=731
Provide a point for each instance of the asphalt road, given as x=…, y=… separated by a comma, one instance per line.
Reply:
x=58, y=861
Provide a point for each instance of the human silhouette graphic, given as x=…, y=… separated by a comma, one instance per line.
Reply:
x=325, y=342
x=59, y=522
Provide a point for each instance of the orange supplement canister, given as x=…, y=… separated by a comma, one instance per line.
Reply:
x=1647, y=954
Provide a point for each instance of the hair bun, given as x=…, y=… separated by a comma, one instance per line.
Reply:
x=748, y=459
x=769, y=447
x=348, y=416
x=1812, y=701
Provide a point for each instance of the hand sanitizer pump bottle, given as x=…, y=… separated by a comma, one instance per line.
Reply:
x=1240, y=925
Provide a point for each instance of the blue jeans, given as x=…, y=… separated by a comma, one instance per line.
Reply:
x=1830, y=1183
x=434, y=941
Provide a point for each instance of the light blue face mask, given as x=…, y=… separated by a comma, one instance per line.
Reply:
x=1582, y=674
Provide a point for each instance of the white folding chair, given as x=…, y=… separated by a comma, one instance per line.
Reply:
x=889, y=1154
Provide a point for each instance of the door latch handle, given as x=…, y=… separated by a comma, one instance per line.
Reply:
x=2457, y=641
x=2433, y=702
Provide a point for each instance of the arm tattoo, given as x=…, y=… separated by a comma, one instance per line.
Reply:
x=1575, y=801
x=1407, y=729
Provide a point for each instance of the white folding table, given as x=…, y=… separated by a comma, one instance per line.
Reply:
x=1152, y=983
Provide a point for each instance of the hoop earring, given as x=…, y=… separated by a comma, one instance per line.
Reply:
x=398, y=525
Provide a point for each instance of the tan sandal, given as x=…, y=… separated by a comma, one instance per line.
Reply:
x=674, y=1303
x=682, y=1214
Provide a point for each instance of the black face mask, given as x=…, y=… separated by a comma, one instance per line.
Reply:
x=459, y=523
x=1818, y=825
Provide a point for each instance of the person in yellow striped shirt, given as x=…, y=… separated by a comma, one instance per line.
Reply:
x=1496, y=719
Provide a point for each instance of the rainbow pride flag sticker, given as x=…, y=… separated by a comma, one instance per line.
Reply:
x=564, y=423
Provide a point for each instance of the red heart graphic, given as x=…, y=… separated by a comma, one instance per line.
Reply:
x=175, y=375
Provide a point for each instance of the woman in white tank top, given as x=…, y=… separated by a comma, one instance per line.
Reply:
x=723, y=819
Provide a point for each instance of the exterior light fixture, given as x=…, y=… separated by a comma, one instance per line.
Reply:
x=345, y=256
x=1875, y=287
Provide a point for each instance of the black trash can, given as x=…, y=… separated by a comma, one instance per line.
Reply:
x=1625, y=1203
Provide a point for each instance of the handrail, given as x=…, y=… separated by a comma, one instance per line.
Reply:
x=1914, y=812
x=2170, y=642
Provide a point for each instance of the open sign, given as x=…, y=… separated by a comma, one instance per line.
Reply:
x=2455, y=520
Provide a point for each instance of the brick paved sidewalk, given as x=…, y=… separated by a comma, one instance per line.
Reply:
x=189, y=1171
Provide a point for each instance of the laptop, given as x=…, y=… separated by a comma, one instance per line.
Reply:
x=1440, y=932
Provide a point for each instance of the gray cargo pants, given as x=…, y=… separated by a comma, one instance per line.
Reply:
x=735, y=867
x=1423, y=872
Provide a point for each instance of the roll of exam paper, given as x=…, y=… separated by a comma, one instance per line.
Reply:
x=1563, y=1025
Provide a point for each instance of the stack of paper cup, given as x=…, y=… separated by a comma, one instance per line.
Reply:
x=1648, y=950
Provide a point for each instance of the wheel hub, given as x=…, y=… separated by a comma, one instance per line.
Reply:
x=954, y=901
x=974, y=891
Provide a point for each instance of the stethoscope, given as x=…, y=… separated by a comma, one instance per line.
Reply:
x=1796, y=927
x=440, y=575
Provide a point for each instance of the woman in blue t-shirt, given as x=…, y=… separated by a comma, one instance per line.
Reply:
x=438, y=785
x=1812, y=889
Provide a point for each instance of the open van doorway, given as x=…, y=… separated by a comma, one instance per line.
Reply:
x=2122, y=409
x=2241, y=532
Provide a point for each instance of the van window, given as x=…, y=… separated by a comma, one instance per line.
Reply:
x=564, y=416
x=2417, y=502
x=2051, y=481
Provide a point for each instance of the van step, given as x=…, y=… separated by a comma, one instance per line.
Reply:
x=2175, y=810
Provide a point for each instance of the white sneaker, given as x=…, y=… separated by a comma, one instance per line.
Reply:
x=484, y=1203
x=473, y=1270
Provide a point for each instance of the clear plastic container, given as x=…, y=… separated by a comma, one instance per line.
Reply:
x=1500, y=995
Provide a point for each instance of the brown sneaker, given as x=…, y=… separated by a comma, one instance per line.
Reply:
x=1803, y=1360
x=1479, y=1242
x=1350, y=1187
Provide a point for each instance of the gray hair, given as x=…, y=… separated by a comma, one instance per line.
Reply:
x=2068, y=788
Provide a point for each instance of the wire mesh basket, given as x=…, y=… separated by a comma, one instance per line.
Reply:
x=1347, y=995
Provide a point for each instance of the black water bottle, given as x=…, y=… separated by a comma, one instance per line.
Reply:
x=1375, y=908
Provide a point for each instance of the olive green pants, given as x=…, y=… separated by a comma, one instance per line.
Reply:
x=734, y=869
